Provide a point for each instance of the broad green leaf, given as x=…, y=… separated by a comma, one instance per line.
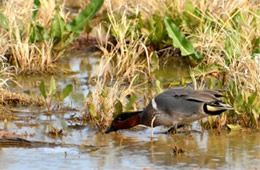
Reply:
x=157, y=32
x=196, y=56
x=252, y=99
x=3, y=21
x=179, y=40
x=82, y=19
x=66, y=91
x=92, y=110
x=78, y=24
x=57, y=28
x=42, y=89
x=118, y=107
x=52, y=88
x=36, y=33
x=154, y=62
x=158, y=86
x=239, y=103
x=129, y=105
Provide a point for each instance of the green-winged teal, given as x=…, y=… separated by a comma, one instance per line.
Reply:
x=172, y=108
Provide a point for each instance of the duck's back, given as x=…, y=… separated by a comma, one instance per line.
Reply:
x=178, y=106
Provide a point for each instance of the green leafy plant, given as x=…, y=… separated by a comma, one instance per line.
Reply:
x=180, y=41
x=246, y=104
x=54, y=94
x=154, y=29
x=61, y=33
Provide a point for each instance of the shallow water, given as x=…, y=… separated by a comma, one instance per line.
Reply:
x=127, y=149
x=136, y=150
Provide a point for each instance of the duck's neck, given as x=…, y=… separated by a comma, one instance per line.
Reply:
x=130, y=120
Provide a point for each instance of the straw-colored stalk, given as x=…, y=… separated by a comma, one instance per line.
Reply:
x=26, y=56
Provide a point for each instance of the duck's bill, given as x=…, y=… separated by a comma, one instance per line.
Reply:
x=111, y=129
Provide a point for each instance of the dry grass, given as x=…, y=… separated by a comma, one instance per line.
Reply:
x=215, y=29
x=237, y=59
x=15, y=42
x=128, y=56
x=103, y=100
x=121, y=66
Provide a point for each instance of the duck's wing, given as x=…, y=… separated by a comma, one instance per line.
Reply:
x=205, y=95
x=189, y=102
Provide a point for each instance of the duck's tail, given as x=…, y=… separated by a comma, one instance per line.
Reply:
x=216, y=108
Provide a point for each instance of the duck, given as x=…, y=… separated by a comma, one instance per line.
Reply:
x=175, y=107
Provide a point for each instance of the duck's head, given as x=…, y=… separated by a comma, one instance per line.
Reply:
x=125, y=120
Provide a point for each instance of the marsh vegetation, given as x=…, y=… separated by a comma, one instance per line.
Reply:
x=140, y=48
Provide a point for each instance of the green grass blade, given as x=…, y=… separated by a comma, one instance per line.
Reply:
x=82, y=19
x=118, y=107
x=66, y=91
x=3, y=22
x=42, y=89
x=57, y=28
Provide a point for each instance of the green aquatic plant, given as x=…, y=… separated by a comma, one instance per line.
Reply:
x=154, y=29
x=52, y=93
x=159, y=31
x=180, y=41
x=62, y=33
x=246, y=105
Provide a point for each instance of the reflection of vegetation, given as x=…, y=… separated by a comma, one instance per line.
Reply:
x=54, y=132
x=5, y=72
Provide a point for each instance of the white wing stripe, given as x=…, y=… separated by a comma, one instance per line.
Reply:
x=154, y=104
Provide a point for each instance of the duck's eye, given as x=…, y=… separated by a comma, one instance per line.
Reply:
x=118, y=118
